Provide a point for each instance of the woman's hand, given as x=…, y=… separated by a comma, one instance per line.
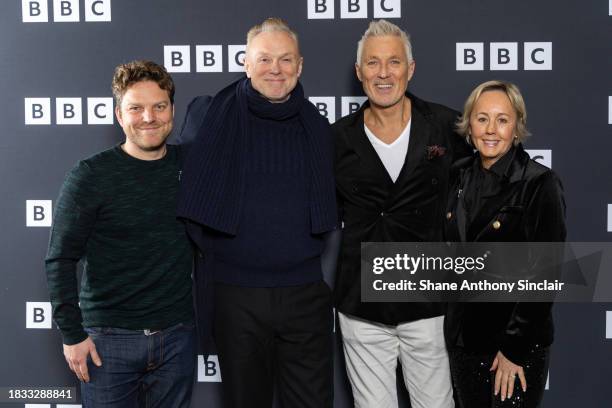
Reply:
x=505, y=375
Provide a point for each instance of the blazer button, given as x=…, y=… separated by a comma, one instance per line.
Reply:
x=449, y=215
x=496, y=225
x=434, y=181
x=382, y=213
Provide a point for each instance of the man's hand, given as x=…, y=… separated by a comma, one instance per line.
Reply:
x=76, y=357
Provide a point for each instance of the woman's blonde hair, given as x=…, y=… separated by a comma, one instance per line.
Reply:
x=516, y=100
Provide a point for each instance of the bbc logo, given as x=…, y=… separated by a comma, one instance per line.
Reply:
x=209, y=371
x=324, y=9
x=37, y=11
x=541, y=156
x=326, y=105
x=39, y=213
x=610, y=8
x=38, y=315
x=608, y=319
x=209, y=58
x=68, y=111
x=503, y=56
x=610, y=108
x=609, y=217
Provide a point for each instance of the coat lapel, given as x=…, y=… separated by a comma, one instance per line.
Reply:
x=364, y=149
x=421, y=134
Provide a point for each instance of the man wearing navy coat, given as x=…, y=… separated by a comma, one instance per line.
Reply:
x=257, y=197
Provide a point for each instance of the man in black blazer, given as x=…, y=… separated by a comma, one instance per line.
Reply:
x=392, y=166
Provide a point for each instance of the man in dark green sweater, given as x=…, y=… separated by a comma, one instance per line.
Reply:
x=131, y=338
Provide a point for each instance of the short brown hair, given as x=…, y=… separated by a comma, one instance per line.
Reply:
x=135, y=71
x=516, y=100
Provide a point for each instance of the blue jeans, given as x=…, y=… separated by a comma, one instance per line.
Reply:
x=141, y=369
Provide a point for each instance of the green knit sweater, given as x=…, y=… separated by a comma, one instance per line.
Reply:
x=116, y=215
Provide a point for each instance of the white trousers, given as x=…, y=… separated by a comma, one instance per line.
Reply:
x=372, y=349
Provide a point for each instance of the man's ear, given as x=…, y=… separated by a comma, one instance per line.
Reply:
x=411, y=68
x=300, y=65
x=247, y=67
x=358, y=72
x=118, y=115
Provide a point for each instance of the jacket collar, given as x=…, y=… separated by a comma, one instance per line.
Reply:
x=421, y=134
x=510, y=168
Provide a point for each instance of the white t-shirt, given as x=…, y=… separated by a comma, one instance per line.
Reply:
x=392, y=155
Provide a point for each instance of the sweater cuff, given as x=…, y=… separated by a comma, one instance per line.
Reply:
x=75, y=336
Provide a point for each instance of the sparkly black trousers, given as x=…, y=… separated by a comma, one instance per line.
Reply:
x=474, y=382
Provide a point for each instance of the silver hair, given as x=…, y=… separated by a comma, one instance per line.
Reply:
x=382, y=28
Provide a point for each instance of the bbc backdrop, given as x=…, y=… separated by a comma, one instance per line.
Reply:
x=57, y=59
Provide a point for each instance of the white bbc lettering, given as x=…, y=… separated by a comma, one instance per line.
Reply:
x=610, y=8
x=610, y=222
x=37, y=111
x=97, y=10
x=608, y=315
x=38, y=315
x=209, y=371
x=321, y=9
x=541, y=156
x=470, y=56
x=326, y=105
x=503, y=56
x=209, y=58
x=65, y=10
x=351, y=104
x=353, y=9
x=100, y=111
x=37, y=405
x=538, y=56
x=235, y=58
x=387, y=9
x=34, y=11
x=39, y=213
x=324, y=9
x=68, y=111
x=610, y=108
x=177, y=58
x=68, y=406
x=37, y=11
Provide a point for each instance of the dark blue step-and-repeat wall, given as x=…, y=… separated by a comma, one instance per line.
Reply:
x=56, y=63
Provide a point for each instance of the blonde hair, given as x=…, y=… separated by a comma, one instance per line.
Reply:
x=271, y=24
x=516, y=100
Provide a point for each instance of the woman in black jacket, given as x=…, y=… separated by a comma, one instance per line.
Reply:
x=499, y=351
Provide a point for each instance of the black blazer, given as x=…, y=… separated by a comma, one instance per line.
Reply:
x=373, y=208
x=526, y=206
